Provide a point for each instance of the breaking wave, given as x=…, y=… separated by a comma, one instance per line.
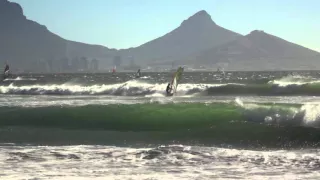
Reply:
x=129, y=88
x=235, y=123
x=20, y=79
x=294, y=80
x=286, y=86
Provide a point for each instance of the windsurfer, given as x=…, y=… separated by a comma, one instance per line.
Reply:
x=6, y=68
x=168, y=90
x=138, y=73
x=6, y=71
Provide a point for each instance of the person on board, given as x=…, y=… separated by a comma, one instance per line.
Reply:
x=6, y=72
x=168, y=90
x=138, y=73
x=6, y=68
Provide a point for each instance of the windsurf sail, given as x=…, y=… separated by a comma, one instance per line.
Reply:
x=138, y=73
x=6, y=71
x=114, y=69
x=221, y=71
x=175, y=80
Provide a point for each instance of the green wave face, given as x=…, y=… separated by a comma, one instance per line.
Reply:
x=267, y=125
x=151, y=117
x=138, y=117
x=155, y=117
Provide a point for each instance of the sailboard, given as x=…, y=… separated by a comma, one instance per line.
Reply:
x=175, y=80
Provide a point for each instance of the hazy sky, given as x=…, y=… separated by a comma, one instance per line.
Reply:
x=130, y=23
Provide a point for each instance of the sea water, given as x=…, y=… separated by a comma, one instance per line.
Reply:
x=240, y=125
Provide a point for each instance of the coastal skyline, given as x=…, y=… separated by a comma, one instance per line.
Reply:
x=124, y=24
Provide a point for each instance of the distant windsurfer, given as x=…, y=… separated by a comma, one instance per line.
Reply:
x=6, y=68
x=138, y=73
x=168, y=90
x=6, y=71
x=113, y=71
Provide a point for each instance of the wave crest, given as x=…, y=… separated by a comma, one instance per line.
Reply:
x=129, y=88
x=287, y=86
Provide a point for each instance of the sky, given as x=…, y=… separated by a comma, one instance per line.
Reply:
x=129, y=23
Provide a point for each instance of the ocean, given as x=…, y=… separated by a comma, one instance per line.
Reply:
x=240, y=125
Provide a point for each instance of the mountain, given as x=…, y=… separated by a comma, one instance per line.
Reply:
x=198, y=40
x=23, y=41
x=195, y=34
x=259, y=50
x=279, y=48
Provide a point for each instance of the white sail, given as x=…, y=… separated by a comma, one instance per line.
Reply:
x=175, y=80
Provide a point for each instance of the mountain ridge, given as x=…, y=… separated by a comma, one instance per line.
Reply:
x=260, y=49
x=197, y=40
x=34, y=41
x=196, y=33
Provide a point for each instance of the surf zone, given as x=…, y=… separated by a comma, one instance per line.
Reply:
x=231, y=123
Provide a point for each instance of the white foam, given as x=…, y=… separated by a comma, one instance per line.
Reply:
x=294, y=80
x=311, y=114
x=145, y=77
x=175, y=162
x=20, y=79
x=132, y=87
x=239, y=102
x=308, y=114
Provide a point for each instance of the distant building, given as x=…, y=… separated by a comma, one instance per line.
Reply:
x=117, y=61
x=37, y=66
x=75, y=64
x=42, y=66
x=83, y=64
x=55, y=65
x=49, y=64
x=131, y=60
x=94, y=65
x=132, y=65
x=64, y=65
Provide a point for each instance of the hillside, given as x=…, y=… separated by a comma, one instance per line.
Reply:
x=24, y=41
x=197, y=41
x=260, y=50
x=195, y=34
